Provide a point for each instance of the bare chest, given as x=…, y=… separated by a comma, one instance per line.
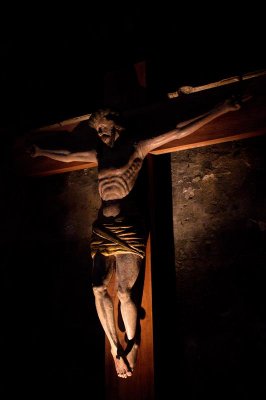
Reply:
x=117, y=182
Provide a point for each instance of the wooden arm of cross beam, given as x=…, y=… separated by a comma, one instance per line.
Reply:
x=246, y=123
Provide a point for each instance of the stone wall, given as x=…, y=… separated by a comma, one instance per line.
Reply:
x=219, y=216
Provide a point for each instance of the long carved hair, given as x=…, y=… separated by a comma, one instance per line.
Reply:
x=102, y=116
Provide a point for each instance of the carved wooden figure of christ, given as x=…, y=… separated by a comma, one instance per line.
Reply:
x=118, y=236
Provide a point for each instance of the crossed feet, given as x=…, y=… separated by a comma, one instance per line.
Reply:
x=125, y=360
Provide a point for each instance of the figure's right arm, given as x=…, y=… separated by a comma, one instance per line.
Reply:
x=64, y=155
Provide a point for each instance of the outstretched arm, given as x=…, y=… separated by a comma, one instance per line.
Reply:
x=187, y=127
x=64, y=155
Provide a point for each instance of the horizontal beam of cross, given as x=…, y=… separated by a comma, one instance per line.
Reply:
x=250, y=121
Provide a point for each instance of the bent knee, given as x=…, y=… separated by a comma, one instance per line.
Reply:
x=99, y=291
x=124, y=295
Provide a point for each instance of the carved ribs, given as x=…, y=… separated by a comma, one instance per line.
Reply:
x=117, y=183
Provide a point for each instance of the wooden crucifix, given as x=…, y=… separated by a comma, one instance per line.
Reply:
x=119, y=240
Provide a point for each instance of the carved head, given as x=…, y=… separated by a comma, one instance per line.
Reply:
x=107, y=124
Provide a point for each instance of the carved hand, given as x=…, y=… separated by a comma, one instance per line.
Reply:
x=234, y=103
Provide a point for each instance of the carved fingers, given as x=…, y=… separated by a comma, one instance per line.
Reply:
x=235, y=102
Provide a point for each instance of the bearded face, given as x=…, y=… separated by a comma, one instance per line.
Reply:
x=108, y=130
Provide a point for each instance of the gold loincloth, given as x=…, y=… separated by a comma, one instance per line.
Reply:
x=116, y=236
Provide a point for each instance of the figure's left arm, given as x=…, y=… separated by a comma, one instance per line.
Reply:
x=187, y=127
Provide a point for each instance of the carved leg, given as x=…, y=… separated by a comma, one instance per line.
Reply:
x=128, y=267
x=102, y=272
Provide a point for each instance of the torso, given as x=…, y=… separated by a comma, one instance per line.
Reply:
x=118, y=169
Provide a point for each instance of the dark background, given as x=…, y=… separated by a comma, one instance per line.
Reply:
x=53, y=66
